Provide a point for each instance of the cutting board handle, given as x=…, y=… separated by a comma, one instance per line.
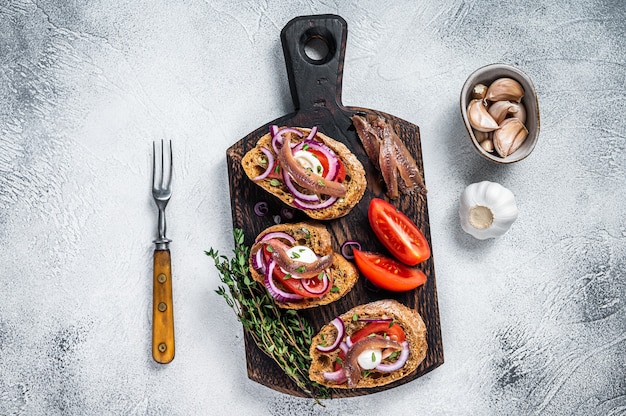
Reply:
x=314, y=49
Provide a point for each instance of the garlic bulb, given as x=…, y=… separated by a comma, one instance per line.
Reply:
x=487, y=210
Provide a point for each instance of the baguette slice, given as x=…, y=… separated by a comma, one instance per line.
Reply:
x=317, y=238
x=355, y=181
x=409, y=319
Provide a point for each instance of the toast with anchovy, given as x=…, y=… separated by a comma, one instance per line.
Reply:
x=371, y=350
x=319, y=176
x=298, y=267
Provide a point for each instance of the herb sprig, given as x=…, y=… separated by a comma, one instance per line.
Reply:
x=282, y=334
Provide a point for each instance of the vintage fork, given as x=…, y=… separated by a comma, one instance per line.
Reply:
x=162, y=304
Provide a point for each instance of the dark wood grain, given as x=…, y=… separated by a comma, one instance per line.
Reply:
x=316, y=91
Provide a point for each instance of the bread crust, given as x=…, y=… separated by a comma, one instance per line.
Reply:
x=409, y=319
x=355, y=181
x=317, y=238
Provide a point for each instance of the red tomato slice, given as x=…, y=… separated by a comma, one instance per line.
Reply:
x=395, y=332
x=398, y=233
x=339, y=363
x=387, y=273
x=340, y=176
x=276, y=172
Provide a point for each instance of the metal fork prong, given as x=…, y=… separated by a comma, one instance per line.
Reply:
x=166, y=172
x=156, y=170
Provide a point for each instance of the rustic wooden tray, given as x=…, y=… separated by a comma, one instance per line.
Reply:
x=316, y=91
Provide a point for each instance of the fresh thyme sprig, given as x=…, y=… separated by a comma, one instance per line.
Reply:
x=282, y=334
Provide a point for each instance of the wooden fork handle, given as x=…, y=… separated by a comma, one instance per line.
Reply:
x=162, y=309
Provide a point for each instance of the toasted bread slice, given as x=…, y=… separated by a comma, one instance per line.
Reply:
x=355, y=181
x=410, y=321
x=317, y=238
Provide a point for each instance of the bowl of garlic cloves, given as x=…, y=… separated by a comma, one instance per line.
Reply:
x=501, y=112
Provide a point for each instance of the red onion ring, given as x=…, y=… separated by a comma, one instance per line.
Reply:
x=344, y=248
x=257, y=260
x=338, y=376
x=341, y=330
x=270, y=165
x=287, y=213
x=295, y=192
x=277, y=139
x=274, y=291
x=261, y=209
x=276, y=234
x=305, y=205
x=399, y=363
x=308, y=288
x=312, y=134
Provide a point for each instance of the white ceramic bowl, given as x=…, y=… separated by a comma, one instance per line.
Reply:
x=486, y=75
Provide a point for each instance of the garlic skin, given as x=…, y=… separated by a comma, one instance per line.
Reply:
x=505, y=89
x=487, y=210
x=509, y=137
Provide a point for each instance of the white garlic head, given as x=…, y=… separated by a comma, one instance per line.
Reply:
x=487, y=210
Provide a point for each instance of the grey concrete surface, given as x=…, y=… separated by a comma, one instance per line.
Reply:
x=533, y=322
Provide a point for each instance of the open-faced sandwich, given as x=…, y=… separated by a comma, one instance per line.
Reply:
x=307, y=170
x=298, y=266
x=369, y=346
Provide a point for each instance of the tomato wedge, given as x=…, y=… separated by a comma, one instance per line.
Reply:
x=387, y=273
x=398, y=233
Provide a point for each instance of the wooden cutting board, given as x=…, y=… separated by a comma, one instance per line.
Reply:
x=315, y=84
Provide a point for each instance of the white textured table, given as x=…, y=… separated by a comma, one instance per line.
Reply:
x=533, y=323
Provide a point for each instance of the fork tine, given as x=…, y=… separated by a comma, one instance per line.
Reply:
x=154, y=169
x=166, y=168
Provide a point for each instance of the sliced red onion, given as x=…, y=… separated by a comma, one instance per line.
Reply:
x=344, y=347
x=399, y=363
x=341, y=330
x=312, y=134
x=305, y=205
x=277, y=139
x=349, y=342
x=295, y=192
x=344, y=248
x=273, y=130
x=270, y=165
x=276, y=234
x=257, y=260
x=261, y=209
x=316, y=291
x=338, y=376
x=287, y=213
x=278, y=294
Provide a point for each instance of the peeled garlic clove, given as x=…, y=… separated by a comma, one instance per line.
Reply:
x=479, y=91
x=500, y=109
x=479, y=117
x=482, y=135
x=505, y=89
x=487, y=144
x=509, y=137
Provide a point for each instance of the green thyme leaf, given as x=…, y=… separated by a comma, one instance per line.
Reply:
x=284, y=335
